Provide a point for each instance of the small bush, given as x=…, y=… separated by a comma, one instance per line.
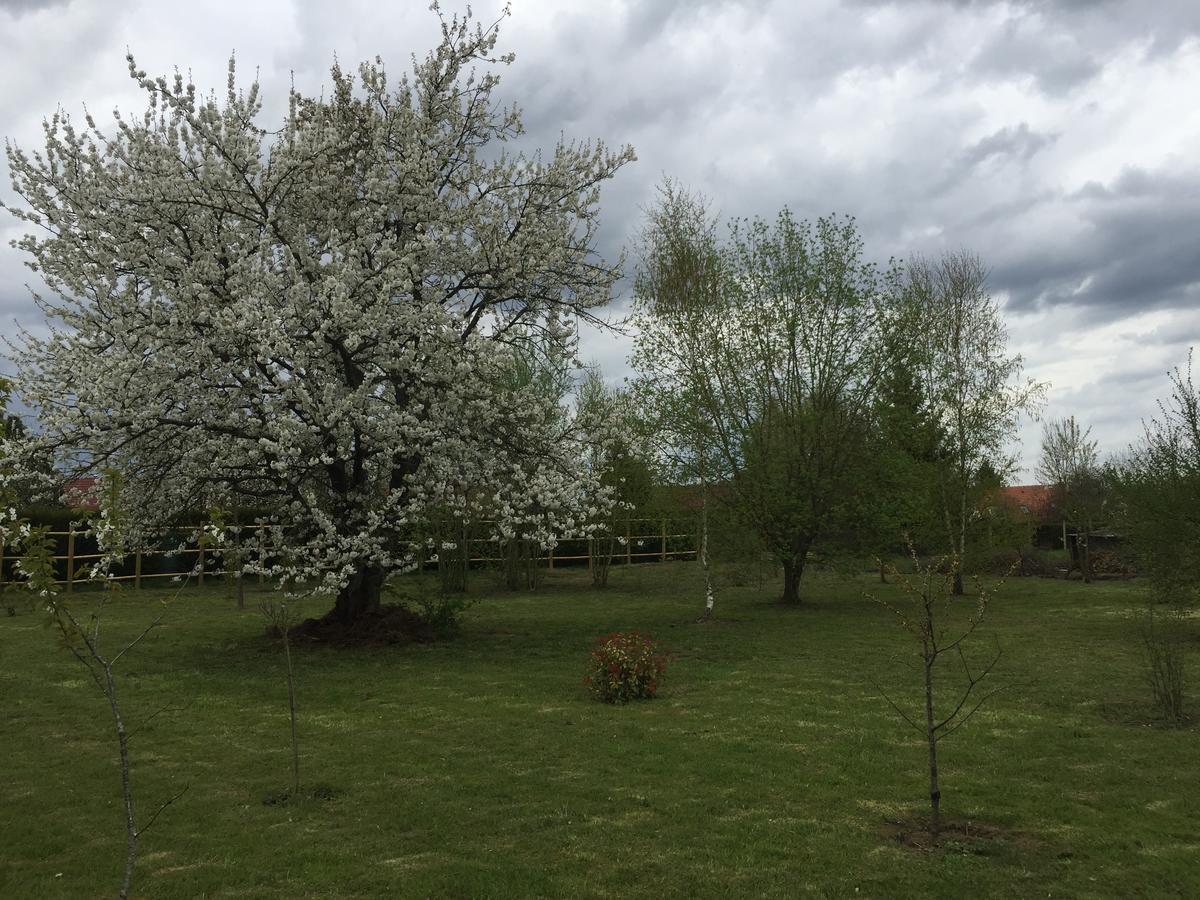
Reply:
x=625, y=666
x=1163, y=658
x=441, y=612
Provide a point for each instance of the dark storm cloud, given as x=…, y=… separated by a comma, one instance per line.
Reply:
x=1131, y=246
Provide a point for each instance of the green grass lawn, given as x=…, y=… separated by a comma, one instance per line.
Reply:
x=479, y=767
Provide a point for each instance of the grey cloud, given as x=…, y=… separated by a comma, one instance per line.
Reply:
x=1020, y=142
x=1025, y=47
x=21, y=7
x=887, y=111
x=1134, y=247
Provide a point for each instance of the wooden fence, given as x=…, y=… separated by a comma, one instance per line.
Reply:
x=204, y=554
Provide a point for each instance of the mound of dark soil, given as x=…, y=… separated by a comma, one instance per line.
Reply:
x=387, y=624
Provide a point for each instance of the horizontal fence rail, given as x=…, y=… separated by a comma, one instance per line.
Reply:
x=628, y=548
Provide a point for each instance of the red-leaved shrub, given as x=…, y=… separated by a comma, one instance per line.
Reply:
x=624, y=666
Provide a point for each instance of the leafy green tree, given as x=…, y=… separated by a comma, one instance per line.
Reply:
x=974, y=385
x=1157, y=487
x=677, y=305
x=897, y=499
x=773, y=345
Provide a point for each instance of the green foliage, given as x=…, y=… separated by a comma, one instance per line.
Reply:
x=956, y=342
x=625, y=666
x=33, y=566
x=11, y=426
x=1157, y=488
x=897, y=498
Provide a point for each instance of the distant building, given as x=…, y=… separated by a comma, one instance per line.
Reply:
x=80, y=493
x=1042, y=504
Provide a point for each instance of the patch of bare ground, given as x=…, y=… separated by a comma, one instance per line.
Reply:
x=388, y=623
x=957, y=835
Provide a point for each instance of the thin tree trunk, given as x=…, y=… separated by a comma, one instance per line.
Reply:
x=961, y=549
x=131, y=834
x=1085, y=556
x=287, y=655
x=602, y=557
x=935, y=793
x=710, y=597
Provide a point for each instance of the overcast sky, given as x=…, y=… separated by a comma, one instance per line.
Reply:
x=1059, y=139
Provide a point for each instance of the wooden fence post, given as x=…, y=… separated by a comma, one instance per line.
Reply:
x=200, y=563
x=628, y=541
x=664, y=539
x=262, y=552
x=71, y=559
x=2, y=581
x=550, y=558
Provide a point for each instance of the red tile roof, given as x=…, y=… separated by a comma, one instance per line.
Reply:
x=1037, y=500
x=77, y=492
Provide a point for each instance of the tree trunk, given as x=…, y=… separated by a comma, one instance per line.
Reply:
x=131, y=832
x=793, y=570
x=957, y=589
x=291, y=684
x=1085, y=557
x=710, y=596
x=360, y=596
x=601, y=550
x=935, y=793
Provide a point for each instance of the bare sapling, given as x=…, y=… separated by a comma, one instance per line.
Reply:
x=280, y=618
x=36, y=570
x=83, y=639
x=940, y=621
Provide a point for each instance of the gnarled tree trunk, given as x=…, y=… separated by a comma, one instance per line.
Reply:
x=360, y=596
x=793, y=571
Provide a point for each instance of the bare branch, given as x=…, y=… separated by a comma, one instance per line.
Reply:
x=158, y=811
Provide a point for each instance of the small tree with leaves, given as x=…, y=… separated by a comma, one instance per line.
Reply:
x=1156, y=488
x=974, y=385
x=940, y=622
x=677, y=303
x=1071, y=462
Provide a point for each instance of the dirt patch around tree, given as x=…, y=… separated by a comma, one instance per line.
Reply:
x=957, y=835
x=389, y=623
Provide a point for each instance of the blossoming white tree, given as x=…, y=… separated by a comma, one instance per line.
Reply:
x=314, y=318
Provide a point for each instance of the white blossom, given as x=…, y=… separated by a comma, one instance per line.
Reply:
x=317, y=320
